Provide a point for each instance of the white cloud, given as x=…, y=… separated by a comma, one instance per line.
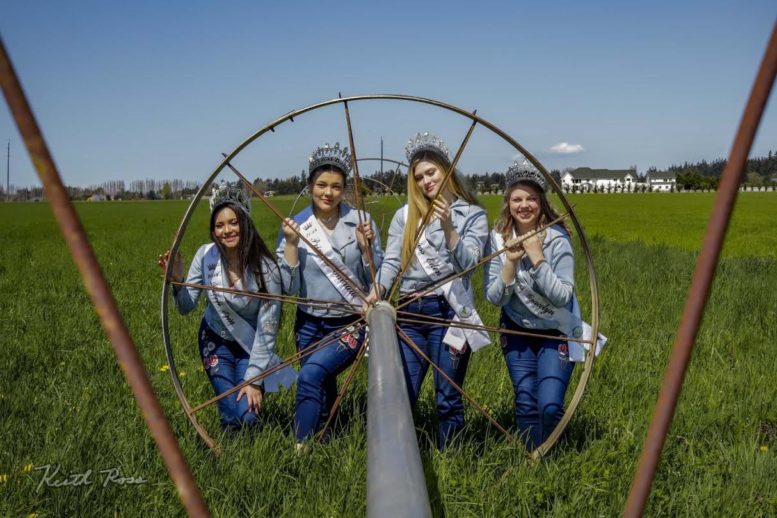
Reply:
x=565, y=148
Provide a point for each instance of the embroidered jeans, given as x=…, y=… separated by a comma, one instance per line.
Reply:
x=539, y=378
x=317, y=381
x=428, y=337
x=225, y=363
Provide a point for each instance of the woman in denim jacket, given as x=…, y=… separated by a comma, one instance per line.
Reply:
x=237, y=333
x=452, y=242
x=531, y=282
x=336, y=229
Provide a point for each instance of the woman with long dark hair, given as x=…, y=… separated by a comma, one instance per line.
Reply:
x=451, y=243
x=237, y=333
x=343, y=237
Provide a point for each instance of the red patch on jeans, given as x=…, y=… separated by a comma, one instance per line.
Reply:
x=210, y=361
x=350, y=340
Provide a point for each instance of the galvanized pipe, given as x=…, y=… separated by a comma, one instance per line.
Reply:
x=396, y=486
x=701, y=283
x=98, y=289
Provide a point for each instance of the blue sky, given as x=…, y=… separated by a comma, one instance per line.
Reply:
x=160, y=89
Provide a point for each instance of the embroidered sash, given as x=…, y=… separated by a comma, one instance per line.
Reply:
x=242, y=331
x=313, y=232
x=457, y=295
x=568, y=322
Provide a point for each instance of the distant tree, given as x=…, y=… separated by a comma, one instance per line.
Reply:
x=167, y=192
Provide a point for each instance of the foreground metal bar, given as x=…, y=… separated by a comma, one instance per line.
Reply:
x=396, y=486
x=98, y=289
x=701, y=283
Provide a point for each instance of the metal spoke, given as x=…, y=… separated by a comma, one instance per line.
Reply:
x=321, y=304
x=427, y=216
x=343, y=389
x=359, y=292
x=360, y=210
x=325, y=341
x=458, y=389
x=406, y=316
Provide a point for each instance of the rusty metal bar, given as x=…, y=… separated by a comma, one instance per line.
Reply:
x=701, y=283
x=98, y=289
x=409, y=341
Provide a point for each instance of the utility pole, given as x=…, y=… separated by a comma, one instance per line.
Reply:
x=8, y=172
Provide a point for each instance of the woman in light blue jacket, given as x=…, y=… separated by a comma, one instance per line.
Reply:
x=237, y=333
x=534, y=284
x=452, y=242
x=343, y=236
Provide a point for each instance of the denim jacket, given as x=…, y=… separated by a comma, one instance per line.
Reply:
x=313, y=283
x=470, y=223
x=263, y=315
x=554, y=278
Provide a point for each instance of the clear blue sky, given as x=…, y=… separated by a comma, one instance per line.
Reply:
x=160, y=89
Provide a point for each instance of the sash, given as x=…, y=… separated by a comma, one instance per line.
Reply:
x=242, y=331
x=568, y=322
x=457, y=295
x=313, y=232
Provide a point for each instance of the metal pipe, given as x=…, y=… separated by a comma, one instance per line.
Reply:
x=701, y=283
x=98, y=289
x=396, y=486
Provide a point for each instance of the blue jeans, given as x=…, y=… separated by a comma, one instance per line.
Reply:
x=540, y=380
x=225, y=363
x=428, y=338
x=317, y=381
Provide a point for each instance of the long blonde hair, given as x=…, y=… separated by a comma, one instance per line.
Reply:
x=418, y=204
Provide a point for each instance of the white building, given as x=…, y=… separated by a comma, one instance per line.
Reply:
x=585, y=179
x=661, y=181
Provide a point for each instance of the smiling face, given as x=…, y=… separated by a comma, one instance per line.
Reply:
x=327, y=191
x=226, y=228
x=428, y=177
x=524, y=203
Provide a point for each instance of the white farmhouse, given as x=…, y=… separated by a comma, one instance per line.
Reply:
x=661, y=181
x=587, y=179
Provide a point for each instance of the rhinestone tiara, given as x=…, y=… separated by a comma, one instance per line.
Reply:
x=225, y=192
x=329, y=155
x=523, y=170
x=425, y=142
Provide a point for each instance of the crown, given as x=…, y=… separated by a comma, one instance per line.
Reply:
x=225, y=193
x=328, y=155
x=524, y=170
x=425, y=142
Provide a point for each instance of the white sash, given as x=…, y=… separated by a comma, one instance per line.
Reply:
x=457, y=295
x=568, y=322
x=313, y=232
x=242, y=331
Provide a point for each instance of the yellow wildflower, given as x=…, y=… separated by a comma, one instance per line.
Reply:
x=27, y=468
x=164, y=368
x=183, y=374
x=3, y=477
x=764, y=448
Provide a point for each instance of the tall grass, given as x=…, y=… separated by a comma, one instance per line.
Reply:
x=63, y=400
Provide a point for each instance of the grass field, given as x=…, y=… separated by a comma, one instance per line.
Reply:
x=64, y=402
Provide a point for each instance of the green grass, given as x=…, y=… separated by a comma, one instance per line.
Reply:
x=63, y=399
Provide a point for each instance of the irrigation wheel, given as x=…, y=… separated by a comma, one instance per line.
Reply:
x=290, y=117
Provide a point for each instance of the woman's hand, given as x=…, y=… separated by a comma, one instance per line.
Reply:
x=375, y=294
x=442, y=210
x=364, y=234
x=533, y=248
x=254, y=396
x=515, y=254
x=291, y=231
x=177, y=273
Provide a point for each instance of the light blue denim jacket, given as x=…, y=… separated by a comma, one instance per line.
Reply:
x=313, y=283
x=470, y=223
x=554, y=279
x=263, y=315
